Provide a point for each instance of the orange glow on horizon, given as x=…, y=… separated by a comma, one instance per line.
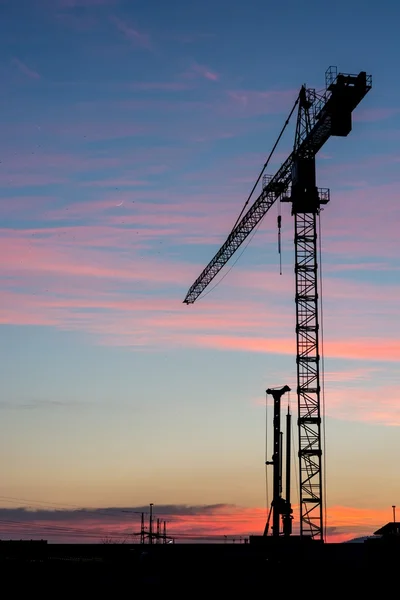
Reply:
x=214, y=524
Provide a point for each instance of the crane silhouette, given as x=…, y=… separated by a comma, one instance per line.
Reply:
x=320, y=116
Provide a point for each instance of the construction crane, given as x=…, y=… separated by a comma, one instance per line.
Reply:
x=320, y=116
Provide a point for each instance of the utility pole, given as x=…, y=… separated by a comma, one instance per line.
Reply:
x=158, y=531
x=142, y=529
x=151, y=524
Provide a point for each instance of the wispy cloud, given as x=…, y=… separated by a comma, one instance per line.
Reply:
x=197, y=70
x=375, y=114
x=132, y=34
x=164, y=86
x=71, y=277
x=127, y=236
x=23, y=68
x=97, y=130
x=368, y=401
x=257, y=102
x=190, y=38
x=39, y=403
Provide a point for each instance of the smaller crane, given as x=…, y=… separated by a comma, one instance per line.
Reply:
x=280, y=506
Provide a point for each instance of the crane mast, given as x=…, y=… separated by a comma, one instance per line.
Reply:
x=319, y=117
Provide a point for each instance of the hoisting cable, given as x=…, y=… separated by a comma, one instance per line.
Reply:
x=279, y=238
x=267, y=161
x=324, y=529
x=203, y=295
x=294, y=454
x=266, y=454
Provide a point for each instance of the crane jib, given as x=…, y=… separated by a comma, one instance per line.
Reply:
x=349, y=91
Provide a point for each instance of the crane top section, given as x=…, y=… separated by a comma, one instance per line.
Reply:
x=320, y=116
x=330, y=113
x=346, y=91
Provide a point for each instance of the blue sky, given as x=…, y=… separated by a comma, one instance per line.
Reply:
x=132, y=133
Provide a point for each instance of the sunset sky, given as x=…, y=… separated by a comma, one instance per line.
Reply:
x=131, y=134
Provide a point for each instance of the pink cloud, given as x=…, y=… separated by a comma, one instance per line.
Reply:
x=254, y=102
x=132, y=224
x=136, y=116
x=27, y=205
x=155, y=219
x=154, y=206
x=189, y=38
x=69, y=275
x=40, y=168
x=159, y=104
x=116, y=183
x=134, y=35
x=34, y=161
x=165, y=86
x=23, y=68
x=21, y=179
x=375, y=114
x=376, y=403
x=355, y=394
x=357, y=266
x=354, y=375
x=100, y=130
x=359, y=349
x=64, y=261
x=202, y=71
x=347, y=522
x=56, y=250
x=372, y=162
x=356, y=225
x=184, y=325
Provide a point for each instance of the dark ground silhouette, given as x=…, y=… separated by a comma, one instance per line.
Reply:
x=54, y=570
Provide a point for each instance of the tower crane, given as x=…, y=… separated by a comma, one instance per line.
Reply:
x=320, y=116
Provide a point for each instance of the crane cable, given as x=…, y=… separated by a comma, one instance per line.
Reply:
x=203, y=295
x=294, y=453
x=248, y=200
x=267, y=161
x=279, y=219
x=266, y=455
x=322, y=382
